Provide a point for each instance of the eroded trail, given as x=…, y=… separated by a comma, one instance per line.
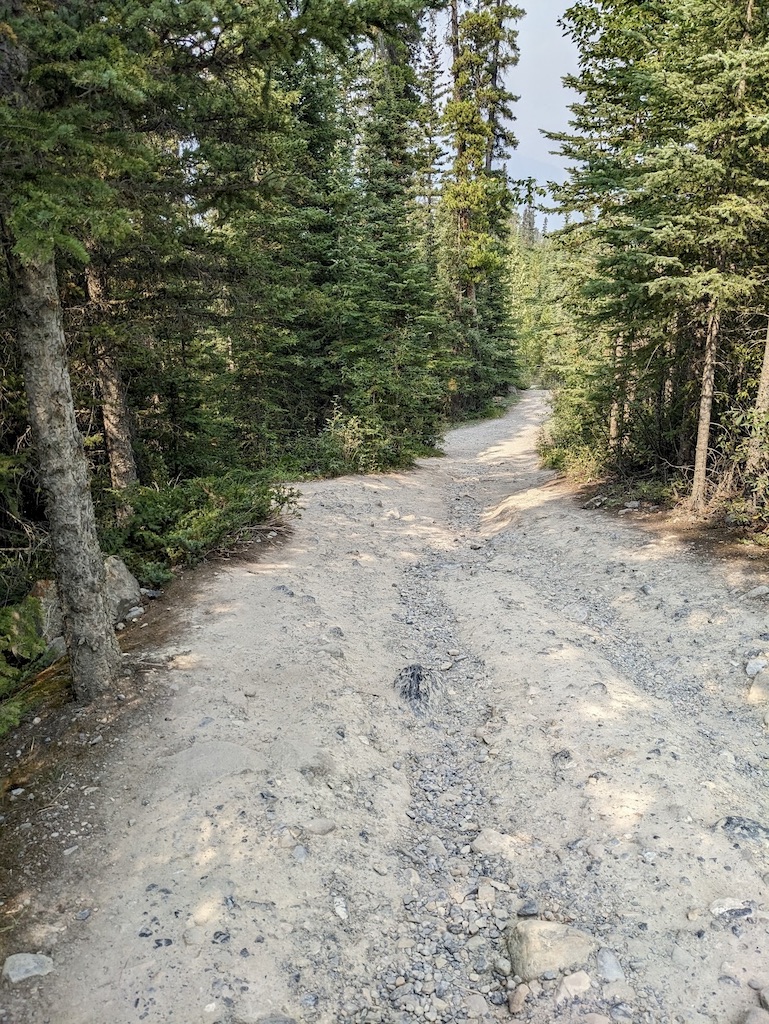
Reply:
x=288, y=839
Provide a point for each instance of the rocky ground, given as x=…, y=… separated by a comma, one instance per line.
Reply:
x=459, y=749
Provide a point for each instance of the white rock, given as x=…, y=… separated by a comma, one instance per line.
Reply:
x=573, y=985
x=725, y=904
x=758, y=592
x=493, y=843
x=754, y=666
x=320, y=826
x=539, y=946
x=20, y=966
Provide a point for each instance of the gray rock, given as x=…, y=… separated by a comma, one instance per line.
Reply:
x=123, y=590
x=57, y=648
x=475, y=1005
x=759, y=689
x=134, y=613
x=622, y=1012
x=609, y=967
x=538, y=946
x=758, y=592
x=754, y=666
x=763, y=998
x=757, y=1016
x=529, y=908
x=20, y=966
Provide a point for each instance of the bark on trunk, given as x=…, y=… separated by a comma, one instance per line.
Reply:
x=756, y=449
x=117, y=423
x=118, y=432
x=93, y=649
x=698, y=498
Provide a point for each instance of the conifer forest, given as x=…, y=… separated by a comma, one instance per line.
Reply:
x=246, y=243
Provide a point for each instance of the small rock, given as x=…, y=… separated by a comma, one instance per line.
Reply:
x=340, y=908
x=300, y=854
x=758, y=592
x=537, y=946
x=530, y=908
x=517, y=999
x=134, y=613
x=609, y=967
x=727, y=905
x=20, y=966
x=754, y=666
x=320, y=826
x=572, y=986
x=475, y=1005
x=763, y=998
x=594, y=1018
x=493, y=843
x=759, y=689
x=619, y=992
x=503, y=966
x=622, y=1012
x=436, y=847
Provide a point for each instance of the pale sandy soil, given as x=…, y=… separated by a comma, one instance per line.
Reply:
x=591, y=706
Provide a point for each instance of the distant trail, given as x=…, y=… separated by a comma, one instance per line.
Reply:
x=284, y=838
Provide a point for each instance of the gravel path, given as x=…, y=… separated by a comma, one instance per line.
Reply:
x=399, y=754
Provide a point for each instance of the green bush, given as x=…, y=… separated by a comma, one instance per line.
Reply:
x=155, y=529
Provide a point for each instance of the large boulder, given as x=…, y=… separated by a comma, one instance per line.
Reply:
x=123, y=594
x=123, y=591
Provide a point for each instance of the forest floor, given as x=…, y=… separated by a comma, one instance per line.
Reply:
x=265, y=830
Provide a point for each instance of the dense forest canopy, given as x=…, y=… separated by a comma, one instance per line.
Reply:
x=662, y=352
x=247, y=242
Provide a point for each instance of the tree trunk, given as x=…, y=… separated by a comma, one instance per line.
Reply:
x=756, y=452
x=117, y=422
x=697, y=501
x=93, y=649
x=116, y=414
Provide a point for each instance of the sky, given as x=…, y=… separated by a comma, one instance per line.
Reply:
x=545, y=56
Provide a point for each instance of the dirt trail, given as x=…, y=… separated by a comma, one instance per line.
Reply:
x=287, y=839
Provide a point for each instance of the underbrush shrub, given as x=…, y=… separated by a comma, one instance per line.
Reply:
x=156, y=529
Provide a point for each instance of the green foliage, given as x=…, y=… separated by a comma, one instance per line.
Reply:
x=669, y=150
x=23, y=653
x=179, y=525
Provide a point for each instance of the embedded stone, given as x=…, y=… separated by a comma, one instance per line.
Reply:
x=539, y=946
